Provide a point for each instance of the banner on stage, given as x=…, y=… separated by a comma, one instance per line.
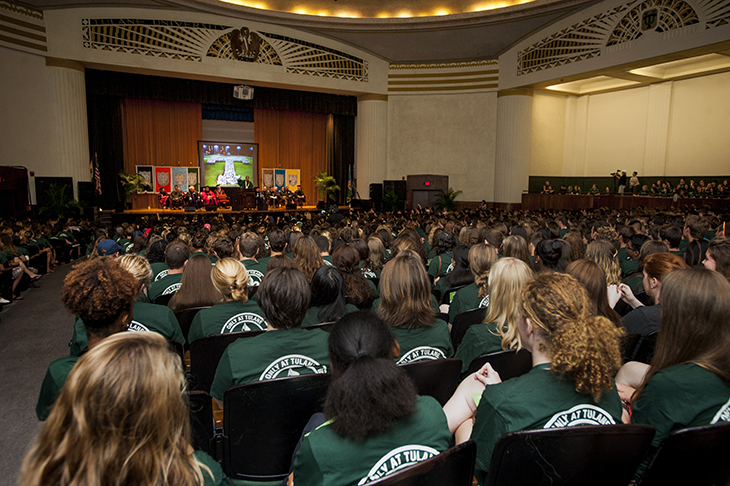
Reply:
x=267, y=176
x=163, y=179
x=180, y=178
x=194, y=178
x=292, y=179
x=279, y=178
x=146, y=172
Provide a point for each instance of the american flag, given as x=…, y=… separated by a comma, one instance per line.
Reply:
x=97, y=176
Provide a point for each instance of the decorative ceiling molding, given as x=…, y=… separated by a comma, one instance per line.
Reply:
x=22, y=28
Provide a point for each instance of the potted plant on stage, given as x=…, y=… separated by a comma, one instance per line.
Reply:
x=133, y=184
x=447, y=200
x=58, y=203
x=326, y=187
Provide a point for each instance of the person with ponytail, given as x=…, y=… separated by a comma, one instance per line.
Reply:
x=552, y=256
x=329, y=302
x=372, y=411
x=499, y=330
x=459, y=276
x=476, y=294
x=575, y=357
x=688, y=381
x=236, y=313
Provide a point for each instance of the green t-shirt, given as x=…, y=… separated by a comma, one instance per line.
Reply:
x=227, y=317
x=682, y=396
x=56, y=375
x=3, y=259
x=440, y=265
x=126, y=244
x=479, y=339
x=466, y=299
x=539, y=399
x=311, y=317
x=146, y=317
x=165, y=286
x=423, y=343
x=326, y=459
x=367, y=273
x=256, y=272
x=159, y=270
x=628, y=267
x=273, y=354
x=219, y=477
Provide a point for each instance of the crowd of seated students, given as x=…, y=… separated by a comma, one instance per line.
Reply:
x=693, y=190
x=552, y=282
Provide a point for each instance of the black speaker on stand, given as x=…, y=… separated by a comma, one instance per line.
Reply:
x=376, y=196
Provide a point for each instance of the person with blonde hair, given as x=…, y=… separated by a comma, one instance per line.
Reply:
x=376, y=259
x=121, y=419
x=237, y=313
x=605, y=255
x=147, y=317
x=499, y=332
x=575, y=357
x=475, y=295
x=405, y=305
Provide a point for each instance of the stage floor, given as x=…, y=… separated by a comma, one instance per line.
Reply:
x=182, y=212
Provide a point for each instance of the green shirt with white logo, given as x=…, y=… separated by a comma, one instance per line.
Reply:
x=273, y=354
x=165, y=286
x=256, y=271
x=539, y=399
x=326, y=459
x=467, y=299
x=479, y=339
x=227, y=317
x=311, y=318
x=423, y=343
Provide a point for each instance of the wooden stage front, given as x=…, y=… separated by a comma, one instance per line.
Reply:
x=131, y=214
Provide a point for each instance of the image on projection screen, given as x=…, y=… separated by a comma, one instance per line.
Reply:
x=226, y=163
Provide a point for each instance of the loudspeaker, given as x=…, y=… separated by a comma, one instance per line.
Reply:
x=189, y=209
x=291, y=206
x=376, y=192
x=87, y=194
x=262, y=207
x=211, y=207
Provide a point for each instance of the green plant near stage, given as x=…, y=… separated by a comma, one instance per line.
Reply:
x=390, y=201
x=133, y=184
x=326, y=186
x=58, y=204
x=447, y=200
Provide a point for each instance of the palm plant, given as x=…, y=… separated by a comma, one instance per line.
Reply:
x=133, y=184
x=326, y=186
x=58, y=204
x=446, y=200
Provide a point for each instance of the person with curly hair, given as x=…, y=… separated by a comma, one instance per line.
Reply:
x=102, y=294
x=121, y=418
x=237, y=313
x=147, y=316
x=575, y=357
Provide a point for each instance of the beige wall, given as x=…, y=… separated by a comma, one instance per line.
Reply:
x=25, y=124
x=451, y=135
x=668, y=129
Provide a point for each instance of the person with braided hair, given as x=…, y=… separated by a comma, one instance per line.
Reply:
x=237, y=313
x=374, y=418
x=102, y=294
x=575, y=357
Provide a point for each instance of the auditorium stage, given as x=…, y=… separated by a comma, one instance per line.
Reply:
x=131, y=214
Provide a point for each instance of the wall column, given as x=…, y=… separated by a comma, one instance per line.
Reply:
x=69, y=127
x=514, y=128
x=371, y=138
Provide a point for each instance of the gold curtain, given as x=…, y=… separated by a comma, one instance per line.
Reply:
x=292, y=140
x=160, y=133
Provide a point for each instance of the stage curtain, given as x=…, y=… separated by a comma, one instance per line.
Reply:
x=292, y=140
x=161, y=133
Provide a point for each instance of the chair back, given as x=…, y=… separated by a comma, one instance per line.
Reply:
x=263, y=422
x=696, y=456
x=202, y=424
x=325, y=326
x=644, y=351
x=177, y=348
x=509, y=364
x=453, y=467
x=185, y=318
x=448, y=295
x=463, y=321
x=437, y=378
x=598, y=455
x=205, y=353
x=628, y=346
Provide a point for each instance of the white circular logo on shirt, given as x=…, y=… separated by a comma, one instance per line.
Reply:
x=580, y=415
x=291, y=365
x=484, y=302
x=254, y=277
x=246, y=320
x=398, y=459
x=421, y=353
x=161, y=275
x=137, y=326
x=172, y=289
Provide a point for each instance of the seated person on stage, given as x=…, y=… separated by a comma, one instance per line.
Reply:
x=376, y=423
x=176, y=257
x=164, y=199
x=284, y=297
x=299, y=195
x=177, y=198
x=193, y=197
x=208, y=197
x=102, y=294
x=237, y=313
x=221, y=196
x=575, y=357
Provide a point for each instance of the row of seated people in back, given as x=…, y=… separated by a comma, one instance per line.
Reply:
x=701, y=190
x=207, y=197
x=555, y=318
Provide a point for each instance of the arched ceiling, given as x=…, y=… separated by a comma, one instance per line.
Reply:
x=399, y=31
